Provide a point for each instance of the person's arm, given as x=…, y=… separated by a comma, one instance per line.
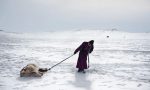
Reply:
x=79, y=48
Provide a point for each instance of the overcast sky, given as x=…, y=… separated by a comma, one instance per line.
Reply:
x=46, y=15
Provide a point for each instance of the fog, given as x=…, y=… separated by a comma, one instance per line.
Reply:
x=47, y=15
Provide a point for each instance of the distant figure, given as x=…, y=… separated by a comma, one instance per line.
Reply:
x=85, y=48
x=107, y=36
x=32, y=70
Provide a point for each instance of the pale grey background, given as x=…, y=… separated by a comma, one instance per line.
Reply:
x=47, y=15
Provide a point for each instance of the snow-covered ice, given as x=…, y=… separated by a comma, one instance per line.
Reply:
x=120, y=62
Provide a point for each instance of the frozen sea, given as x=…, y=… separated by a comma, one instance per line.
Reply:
x=120, y=62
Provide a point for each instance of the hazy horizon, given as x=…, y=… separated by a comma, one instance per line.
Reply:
x=55, y=15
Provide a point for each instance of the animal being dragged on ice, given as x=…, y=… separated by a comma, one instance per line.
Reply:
x=32, y=70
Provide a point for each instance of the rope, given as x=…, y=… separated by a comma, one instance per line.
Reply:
x=60, y=62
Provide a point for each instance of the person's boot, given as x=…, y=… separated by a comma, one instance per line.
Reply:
x=79, y=70
x=83, y=71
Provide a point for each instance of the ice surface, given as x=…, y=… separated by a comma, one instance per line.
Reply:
x=120, y=62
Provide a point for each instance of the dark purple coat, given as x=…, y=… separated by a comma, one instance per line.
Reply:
x=84, y=49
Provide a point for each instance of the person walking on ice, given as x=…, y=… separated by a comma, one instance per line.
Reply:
x=85, y=48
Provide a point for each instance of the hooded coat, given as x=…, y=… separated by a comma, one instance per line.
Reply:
x=85, y=48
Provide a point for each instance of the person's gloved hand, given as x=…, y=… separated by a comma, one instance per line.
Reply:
x=74, y=52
